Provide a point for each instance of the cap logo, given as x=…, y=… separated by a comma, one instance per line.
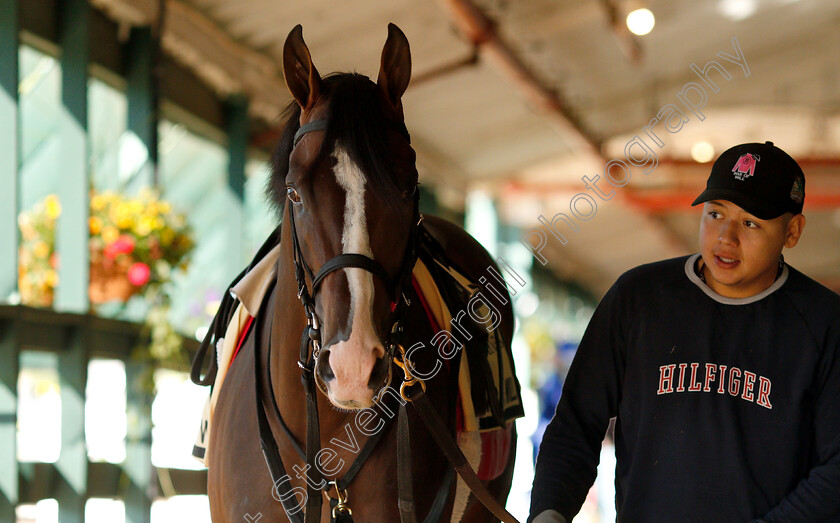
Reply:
x=797, y=191
x=745, y=166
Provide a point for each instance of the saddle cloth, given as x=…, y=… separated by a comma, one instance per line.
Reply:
x=487, y=449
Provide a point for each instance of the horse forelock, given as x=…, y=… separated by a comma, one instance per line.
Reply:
x=358, y=124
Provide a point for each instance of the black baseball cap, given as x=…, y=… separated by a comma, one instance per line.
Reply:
x=759, y=178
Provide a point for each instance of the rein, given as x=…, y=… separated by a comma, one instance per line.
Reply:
x=412, y=390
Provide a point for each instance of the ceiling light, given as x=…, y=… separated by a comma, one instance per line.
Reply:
x=702, y=152
x=640, y=21
x=737, y=9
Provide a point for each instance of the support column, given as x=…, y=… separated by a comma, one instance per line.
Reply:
x=238, y=139
x=72, y=227
x=9, y=150
x=138, y=446
x=72, y=463
x=141, y=105
x=9, y=469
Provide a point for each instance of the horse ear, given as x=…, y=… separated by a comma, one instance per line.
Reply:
x=395, y=70
x=302, y=78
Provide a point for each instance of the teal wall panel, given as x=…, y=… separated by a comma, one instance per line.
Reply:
x=72, y=227
x=9, y=148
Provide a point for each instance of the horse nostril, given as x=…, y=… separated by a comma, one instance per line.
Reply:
x=323, y=369
x=379, y=374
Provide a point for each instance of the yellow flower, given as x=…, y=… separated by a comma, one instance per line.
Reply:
x=53, y=207
x=98, y=202
x=95, y=224
x=144, y=226
x=110, y=234
x=125, y=221
x=114, y=213
x=164, y=207
x=52, y=278
x=41, y=249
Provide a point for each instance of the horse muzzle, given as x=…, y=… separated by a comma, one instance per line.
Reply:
x=351, y=377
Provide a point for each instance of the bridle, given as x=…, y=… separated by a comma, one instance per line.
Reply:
x=310, y=347
x=309, y=358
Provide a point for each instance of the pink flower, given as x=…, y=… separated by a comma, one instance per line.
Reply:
x=122, y=245
x=139, y=274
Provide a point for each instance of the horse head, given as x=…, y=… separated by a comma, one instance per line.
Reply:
x=347, y=171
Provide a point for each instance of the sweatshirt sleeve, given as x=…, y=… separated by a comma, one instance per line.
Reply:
x=570, y=449
x=816, y=497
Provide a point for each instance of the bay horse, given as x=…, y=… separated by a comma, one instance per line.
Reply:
x=345, y=173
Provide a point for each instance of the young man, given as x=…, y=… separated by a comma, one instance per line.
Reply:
x=722, y=369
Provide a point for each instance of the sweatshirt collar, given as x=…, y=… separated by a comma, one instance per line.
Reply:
x=695, y=279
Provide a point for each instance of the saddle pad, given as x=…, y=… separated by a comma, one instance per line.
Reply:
x=227, y=348
x=498, y=359
x=496, y=442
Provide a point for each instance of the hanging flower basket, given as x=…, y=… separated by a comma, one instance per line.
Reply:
x=109, y=283
x=134, y=243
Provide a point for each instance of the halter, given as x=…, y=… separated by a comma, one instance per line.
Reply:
x=308, y=359
x=310, y=350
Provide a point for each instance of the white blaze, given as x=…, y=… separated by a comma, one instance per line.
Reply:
x=352, y=361
x=354, y=238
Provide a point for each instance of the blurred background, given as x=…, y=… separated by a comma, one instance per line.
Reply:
x=134, y=145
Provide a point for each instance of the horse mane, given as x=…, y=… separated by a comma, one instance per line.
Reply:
x=357, y=122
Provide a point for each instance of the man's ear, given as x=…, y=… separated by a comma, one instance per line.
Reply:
x=794, y=230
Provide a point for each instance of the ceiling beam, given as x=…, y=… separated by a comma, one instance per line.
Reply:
x=627, y=41
x=194, y=40
x=481, y=31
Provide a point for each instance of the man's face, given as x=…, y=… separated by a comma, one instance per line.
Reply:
x=741, y=252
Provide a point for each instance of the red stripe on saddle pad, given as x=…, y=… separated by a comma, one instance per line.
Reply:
x=242, y=337
x=429, y=315
x=495, y=451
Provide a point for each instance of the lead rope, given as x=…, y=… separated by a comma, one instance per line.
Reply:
x=415, y=395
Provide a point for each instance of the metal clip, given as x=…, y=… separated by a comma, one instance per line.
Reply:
x=342, y=499
x=409, y=380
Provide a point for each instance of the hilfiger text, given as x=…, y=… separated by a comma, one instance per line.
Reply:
x=715, y=379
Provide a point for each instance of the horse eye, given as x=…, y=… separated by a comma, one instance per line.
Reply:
x=293, y=195
x=408, y=192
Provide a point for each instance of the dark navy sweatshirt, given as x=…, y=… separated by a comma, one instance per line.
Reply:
x=727, y=409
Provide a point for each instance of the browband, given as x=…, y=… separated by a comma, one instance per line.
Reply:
x=321, y=125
